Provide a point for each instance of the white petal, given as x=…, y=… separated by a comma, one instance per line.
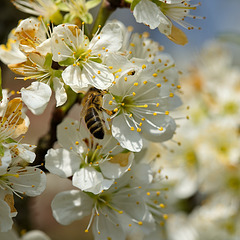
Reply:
x=5, y=219
x=35, y=235
x=111, y=38
x=117, y=166
x=90, y=180
x=60, y=93
x=70, y=206
x=36, y=97
x=128, y=139
x=5, y=161
x=154, y=134
x=148, y=13
x=62, y=162
x=106, y=224
x=99, y=81
x=31, y=181
x=74, y=77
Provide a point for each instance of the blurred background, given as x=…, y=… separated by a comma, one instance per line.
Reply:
x=222, y=22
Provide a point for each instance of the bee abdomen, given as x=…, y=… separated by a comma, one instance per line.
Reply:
x=94, y=123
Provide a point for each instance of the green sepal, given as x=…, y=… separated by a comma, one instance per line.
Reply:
x=48, y=61
x=134, y=3
x=9, y=140
x=67, y=62
x=1, y=151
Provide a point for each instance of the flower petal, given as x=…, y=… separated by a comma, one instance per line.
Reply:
x=70, y=206
x=36, y=97
x=62, y=162
x=121, y=131
x=90, y=180
x=117, y=166
x=60, y=93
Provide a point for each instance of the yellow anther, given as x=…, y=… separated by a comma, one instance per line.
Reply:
x=132, y=128
x=86, y=230
x=76, y=142
x=145, y=82
x=144, y=66
x=125, y=79
x=93, y=76
x=178, y=87
x=59, y=53
x=114, y=82
x=145, y=105
x=116, y=76
x=99, y=72
x=110, y=102
x=148, y=193
x=135, y=84
x=140, y=223
x=122, y=104
x=161, y=205
x=119, y=70
x=187, y=117
x=157, y=193
x=130, y=115
x=103, y=48
x=155, y=75
x=113, y=98
x=115, y=110
x=110, y=67
x=158, y=84
x=133, y=93
x=171, y=95
x=130, y=52
x=74, y=65
x=139, y=129
x=165, y=216
x=121, y=212
x=157, y=104
x=70, y=148
x=99, y=55
x=130, y=225
x=140, y=124
x=154, y=114
x=78, y=63
x=143, y=119
x=160, y=129
x=166, y=112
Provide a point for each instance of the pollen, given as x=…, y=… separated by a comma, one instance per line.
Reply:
x=148, y=193
x=130, y=115
x=166, y=112
x=155, y=75
x=161, y=205
x=145, y=82
x=157, y=104
x=144, y=66
x=99, y=72
x=93, y=76
x=76, y=142
x=154, y=114
x=171, y=95
x=115, y=110
x=132, y=128
x=110, y=102
x=178, y=87
x=158, y=84
x=132, y=44
x=103, y=48
x=110, y=67
x=125, y=79
x=135, y=84
x=129, y=225
x=130, y=52
x=140, y=223
x=160, y=129
x=143, y=119
x=139, y=129
x=165, y=216
x=133, y=93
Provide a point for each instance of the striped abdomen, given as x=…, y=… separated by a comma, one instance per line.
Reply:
x=94, y=123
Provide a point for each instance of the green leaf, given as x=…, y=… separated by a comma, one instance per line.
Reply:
x=134, y=3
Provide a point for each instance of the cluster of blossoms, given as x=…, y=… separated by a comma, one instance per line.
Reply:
x=128, y=89
x=15, y=176
x=204, y=173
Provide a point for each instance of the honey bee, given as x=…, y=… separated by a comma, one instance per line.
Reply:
x=92, y=112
